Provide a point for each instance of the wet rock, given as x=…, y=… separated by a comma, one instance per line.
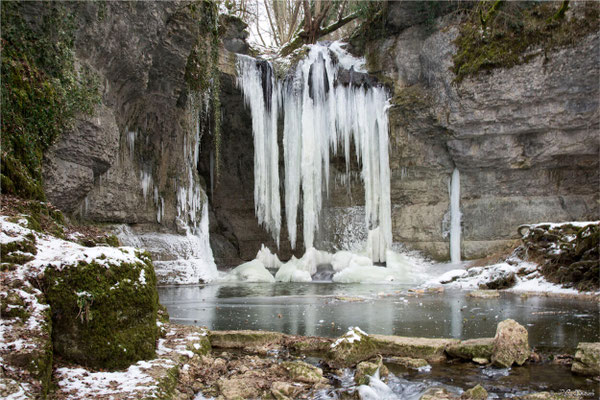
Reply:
x=587, y=359
x=565, y=395
x=475, y=393
x=300, y=371
x=511, y=344
x=438, y=394
x=432, y=350
x=351, y=348
x=308, y=344
x=411, y=363
x=366, y=369
x=484, y=294
x=472, y=349
x=256, y=341
x=481, y=361
x=284, y=390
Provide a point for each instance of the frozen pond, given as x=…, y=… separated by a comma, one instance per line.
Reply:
x=328, y=309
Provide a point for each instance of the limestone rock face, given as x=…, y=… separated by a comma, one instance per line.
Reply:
x=524, y=139
x=587, y=359
x=511, y=344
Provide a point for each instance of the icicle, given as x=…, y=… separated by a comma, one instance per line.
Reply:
x=455, y=217
x=261, y=94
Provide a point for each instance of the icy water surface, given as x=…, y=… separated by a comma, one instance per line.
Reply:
x=328, y=309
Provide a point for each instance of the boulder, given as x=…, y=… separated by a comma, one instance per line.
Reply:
x=475, y=393
x=472, y=349
x=587, y=359
x=511, y=344
x=351, y=348
x=300, y=371
x=366, y=369
x=104, y=311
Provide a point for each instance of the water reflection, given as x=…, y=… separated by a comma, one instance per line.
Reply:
x=318, y=309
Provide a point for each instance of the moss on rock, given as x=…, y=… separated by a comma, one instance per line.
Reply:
x=475, y=393
x=104, y=314
x=351, y=348
x=472, y=349
x=587, y=359
x=300, y=371
x=366, y=369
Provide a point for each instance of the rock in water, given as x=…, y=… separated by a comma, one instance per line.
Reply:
x=587, y=359
x=472, y=349
x=475, y=393
x=511, y=344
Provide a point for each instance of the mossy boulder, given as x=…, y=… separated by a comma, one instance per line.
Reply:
x=472, y=349
x=587, y=359
x=300, y=371
x=475, y=393
x=366, y=369
x=104, y=312
x=351, y=348
x=511, y=344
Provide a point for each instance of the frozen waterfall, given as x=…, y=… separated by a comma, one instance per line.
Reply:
x=321, y=115
x=455, y=217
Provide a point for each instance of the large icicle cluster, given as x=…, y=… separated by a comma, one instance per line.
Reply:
x=261, y=95
x=320, y=117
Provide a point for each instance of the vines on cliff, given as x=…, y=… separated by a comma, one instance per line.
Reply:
x=43, y=89
x=499, y=34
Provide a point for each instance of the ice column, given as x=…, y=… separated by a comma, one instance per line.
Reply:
x=455, y=217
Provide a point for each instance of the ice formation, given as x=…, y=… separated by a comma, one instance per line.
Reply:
x=252, y=271
x=321, y=116
x=261, y=94
x=455, y=217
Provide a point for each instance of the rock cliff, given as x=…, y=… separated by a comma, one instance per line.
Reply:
x=525, y=139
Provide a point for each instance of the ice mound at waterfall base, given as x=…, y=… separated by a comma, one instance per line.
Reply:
x=347, y=267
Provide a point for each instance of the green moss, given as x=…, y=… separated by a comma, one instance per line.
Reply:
x=112, y=322
x=42, y=217
x=166, y=385
x=505, y=37
x=202, y=73
x=18, y=252
x=41, y=92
